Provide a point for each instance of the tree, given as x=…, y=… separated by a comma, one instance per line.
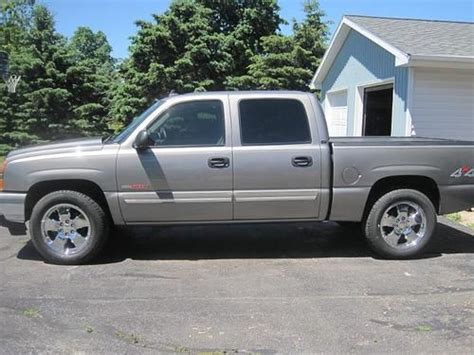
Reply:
x=90, y=78
x=15, y=21
x=194, y=45
x=66, y=86
x=245, y=23
x=15, y=18
x=312, y=34
x=278, y=66
x=47, y=110
x=288, y=62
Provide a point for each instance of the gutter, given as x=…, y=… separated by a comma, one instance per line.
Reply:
x=441, y=61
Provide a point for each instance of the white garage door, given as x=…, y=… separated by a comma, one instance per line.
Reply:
x=443, y=103
x=336, y=113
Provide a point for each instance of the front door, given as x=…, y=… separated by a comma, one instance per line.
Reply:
x=186, y=173
x=277, y=167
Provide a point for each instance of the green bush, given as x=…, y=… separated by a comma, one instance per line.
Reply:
x=4, y=149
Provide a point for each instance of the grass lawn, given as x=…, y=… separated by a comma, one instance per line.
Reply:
x=465, y=217
x=2, y=159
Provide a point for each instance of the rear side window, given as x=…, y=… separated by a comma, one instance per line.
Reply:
x=273, y=121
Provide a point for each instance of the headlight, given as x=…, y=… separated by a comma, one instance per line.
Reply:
x=3, y=167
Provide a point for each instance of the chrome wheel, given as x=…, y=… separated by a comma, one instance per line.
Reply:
x=403, y=225
x=66, y=229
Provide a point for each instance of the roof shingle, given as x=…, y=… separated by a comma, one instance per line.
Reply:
x=422, y=37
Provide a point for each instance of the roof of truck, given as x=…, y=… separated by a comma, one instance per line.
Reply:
x=253, y=92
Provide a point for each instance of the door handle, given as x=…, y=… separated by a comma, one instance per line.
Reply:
x=218, y=163
x=301, y=162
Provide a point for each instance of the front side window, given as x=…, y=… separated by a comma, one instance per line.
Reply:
x=197, y=123
x=273, y=121
x=121, y=136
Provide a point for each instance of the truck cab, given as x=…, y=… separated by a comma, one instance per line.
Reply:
x=220, y=157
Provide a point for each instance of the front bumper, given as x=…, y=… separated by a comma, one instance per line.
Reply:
x=12, y=206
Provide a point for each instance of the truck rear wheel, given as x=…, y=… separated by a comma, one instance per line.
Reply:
x=68, y=227
x=400, y=224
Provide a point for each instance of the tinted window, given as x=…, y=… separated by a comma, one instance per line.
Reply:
x=190, y=124
x=273, y=121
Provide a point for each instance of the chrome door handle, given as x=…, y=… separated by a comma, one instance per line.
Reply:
x=301, y=162
x=218, y=163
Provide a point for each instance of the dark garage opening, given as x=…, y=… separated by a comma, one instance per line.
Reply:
x=378, y=110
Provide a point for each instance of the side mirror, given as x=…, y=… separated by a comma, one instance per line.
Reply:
x=142, y=140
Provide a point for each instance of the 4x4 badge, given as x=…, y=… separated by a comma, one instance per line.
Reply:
x=463, y=171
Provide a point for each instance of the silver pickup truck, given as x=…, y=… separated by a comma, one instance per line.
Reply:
x=234, y=157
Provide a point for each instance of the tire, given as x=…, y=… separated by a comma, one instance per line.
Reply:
x=68, y=228
x=400, y=224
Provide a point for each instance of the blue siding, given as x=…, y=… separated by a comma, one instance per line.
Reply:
x=360, y=61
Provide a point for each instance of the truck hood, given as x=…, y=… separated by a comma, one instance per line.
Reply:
x=66, y=146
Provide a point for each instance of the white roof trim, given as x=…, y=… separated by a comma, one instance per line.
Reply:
x=442, y=61
x=401, y=58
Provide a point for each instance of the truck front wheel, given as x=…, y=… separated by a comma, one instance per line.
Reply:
x=400, y=224
x=68, y=227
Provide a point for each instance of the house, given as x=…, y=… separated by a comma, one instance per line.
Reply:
x=399, y=77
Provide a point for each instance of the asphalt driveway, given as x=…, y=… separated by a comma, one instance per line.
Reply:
x=261, y=289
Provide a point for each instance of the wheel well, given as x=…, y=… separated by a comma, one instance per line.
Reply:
x=41, y=189
x=422, y=184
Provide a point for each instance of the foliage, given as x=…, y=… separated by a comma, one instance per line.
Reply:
x=90, y=79
x=72, y=87
x=65, y=86
x=15, y=24
x=288, y=61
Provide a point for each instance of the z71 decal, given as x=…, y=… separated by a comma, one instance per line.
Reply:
x=463, y=171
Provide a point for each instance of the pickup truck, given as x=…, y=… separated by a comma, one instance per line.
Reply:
x=234, y=157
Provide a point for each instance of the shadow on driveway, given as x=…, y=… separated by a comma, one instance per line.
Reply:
x=315, y=240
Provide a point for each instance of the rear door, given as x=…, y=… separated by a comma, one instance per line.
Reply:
x=276, y=156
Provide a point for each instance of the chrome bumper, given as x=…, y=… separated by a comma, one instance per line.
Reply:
x=12, y=206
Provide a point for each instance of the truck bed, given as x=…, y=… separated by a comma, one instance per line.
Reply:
x=361, y=162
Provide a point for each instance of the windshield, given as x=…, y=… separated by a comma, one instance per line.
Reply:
x=122, y=135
